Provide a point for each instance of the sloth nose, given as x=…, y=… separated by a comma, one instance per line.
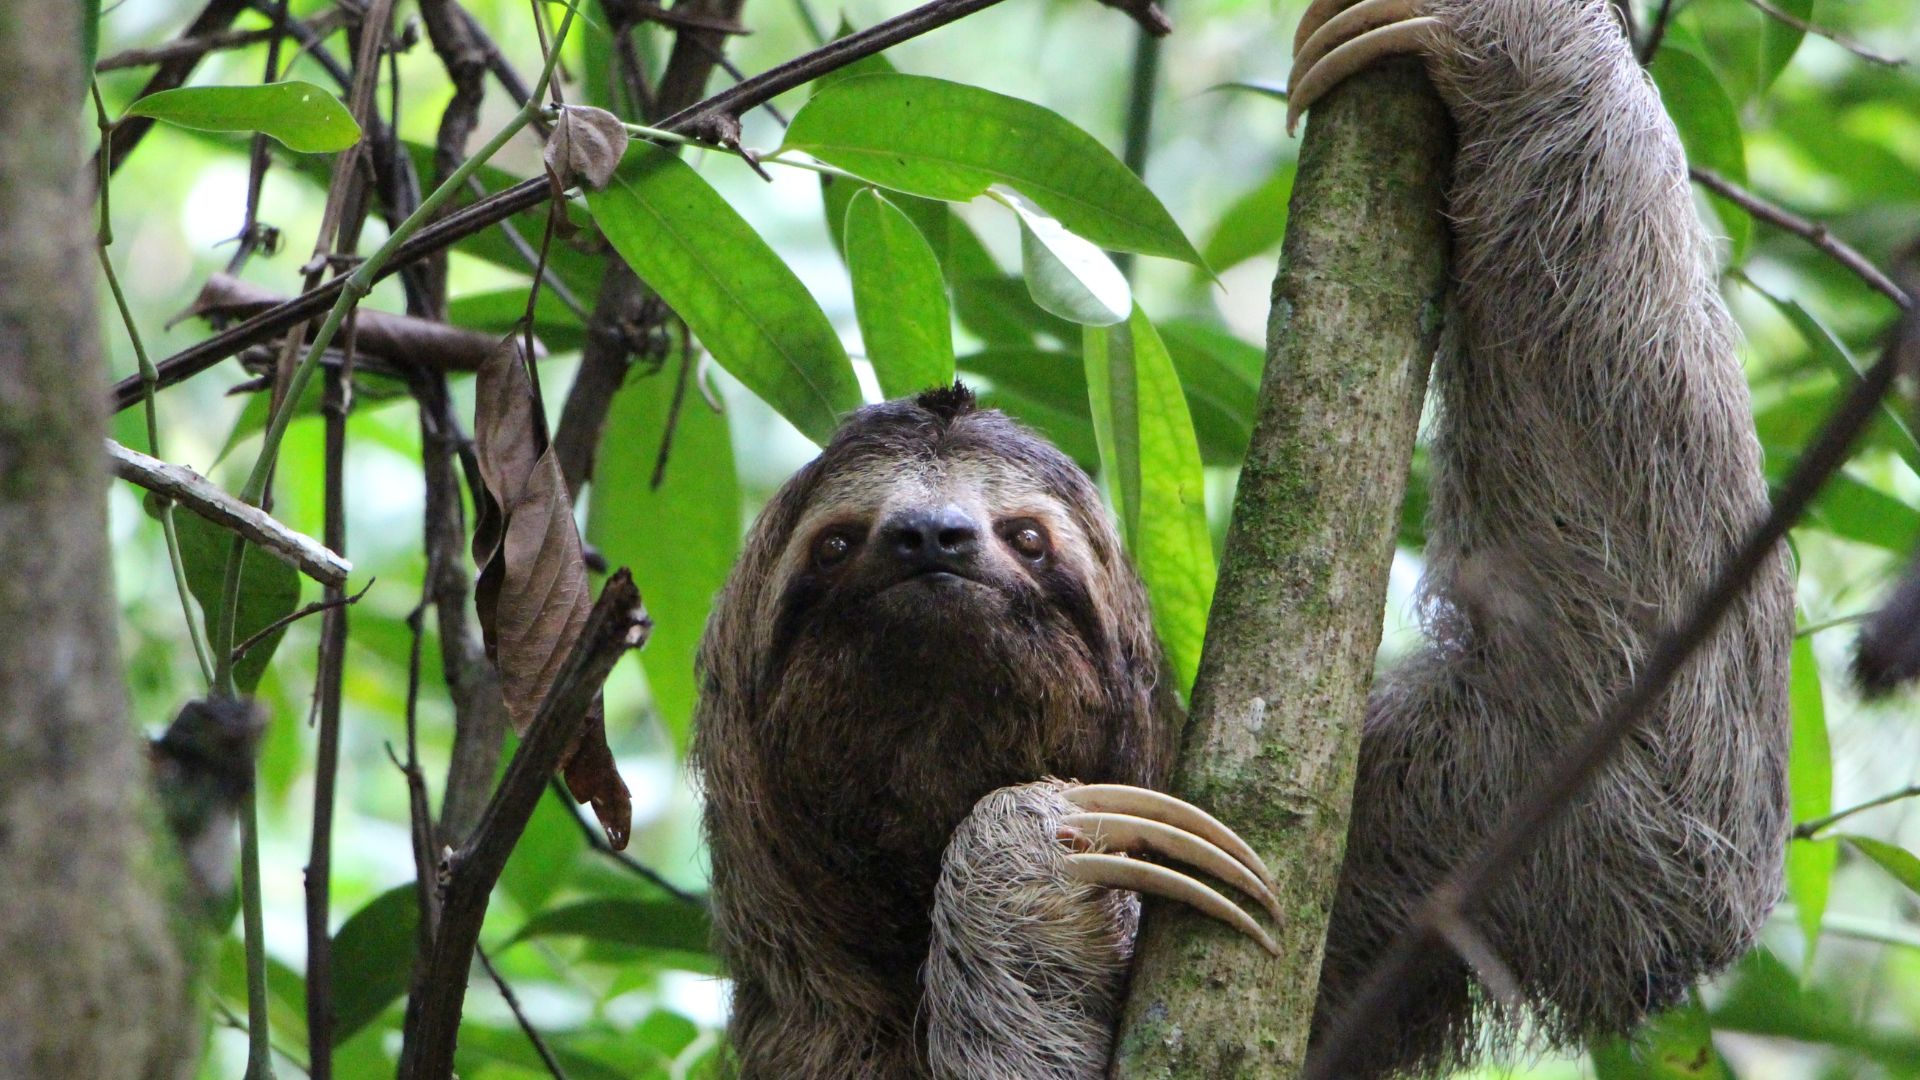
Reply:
x=931, y=538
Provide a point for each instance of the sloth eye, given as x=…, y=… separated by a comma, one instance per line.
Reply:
x=1027, y=538
x=832, y=548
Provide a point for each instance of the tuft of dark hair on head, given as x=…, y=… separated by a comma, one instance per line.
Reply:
x=947, y=402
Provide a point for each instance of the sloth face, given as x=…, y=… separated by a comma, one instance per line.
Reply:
x=935, y=536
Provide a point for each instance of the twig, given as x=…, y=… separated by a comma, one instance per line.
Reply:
x=215, y=17
x=1828, y=624
x=1656, y=32
x=616, y=624
x=1806, y=27
x=597, y=840
x=1533, y=812
x=472, y=218
x=1811, y=231
x=1807, y=830
x=1144, y=82
x=513, y=1002
x=680, y=380
x=290, y=618
x=194, y=48
x=199, y=495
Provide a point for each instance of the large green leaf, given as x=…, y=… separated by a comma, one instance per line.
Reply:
x=1810, y=863
x=899, y=297
x=1152, y=462
x=1065, y=274
x=661, y=924
x=1709, y=129
x=370, y=958
x=299, y=115
x=678, y=539
x=1827, y=348
x=740, y=299
x=1221, y=376
x=944, y=140
x=1895, y=860
x=269, y=590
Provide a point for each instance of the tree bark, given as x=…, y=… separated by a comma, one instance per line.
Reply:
x=1282, y=689
x=95, y=980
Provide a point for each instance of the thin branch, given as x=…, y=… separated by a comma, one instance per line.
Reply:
x=1813, y=628
x=198, y=494
x=513, y=1002
x=290, y=618
x=1808, y=830
x=1806, y=27
x=215, y=17
x=616, y=623
x=1811, y=231
x=193, y=48
x=1534, y=811
x=597, y=840
x=1656, y=32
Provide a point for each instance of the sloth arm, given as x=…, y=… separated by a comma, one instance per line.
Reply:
x=1594, y=464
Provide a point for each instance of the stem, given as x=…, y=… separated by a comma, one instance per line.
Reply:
x=654, y=134
x=1827, y=624
x=259, y=1040
x=1139, y=138
x=1807, y=830
x=149, y=379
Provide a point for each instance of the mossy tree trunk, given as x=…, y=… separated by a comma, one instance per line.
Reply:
x=1282, y=687
x=92, y=977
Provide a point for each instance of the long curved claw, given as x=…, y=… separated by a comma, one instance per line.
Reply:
x=1337, y=62
x=1348, y=24
x=1120, y=872
x=1125, y=832
x=1146, y=803
x=1316, y=16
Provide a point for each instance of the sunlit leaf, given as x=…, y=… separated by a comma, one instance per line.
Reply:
x=740, y=299
x=1152, y=463
x=371, y=951
x=299, y=115
x=1065, y=274
x=899, y=297
x=1895, y=860
x=1810, y=863
x=679, y=539
x=1709, y=129
x=945, y=140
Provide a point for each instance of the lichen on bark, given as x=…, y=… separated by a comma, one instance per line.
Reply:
x=1274, y=731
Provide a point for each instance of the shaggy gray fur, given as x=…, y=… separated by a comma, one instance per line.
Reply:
x=1595, y=464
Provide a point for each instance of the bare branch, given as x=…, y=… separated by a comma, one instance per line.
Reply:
x=1807, y=830
x=1811, y=231
x=193, y=48
x=513, y=1002
x=200, y=495
x=1806, y=27
x=290, y=618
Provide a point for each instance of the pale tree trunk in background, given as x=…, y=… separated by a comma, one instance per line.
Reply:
x=1282, y=687
x=92, y=977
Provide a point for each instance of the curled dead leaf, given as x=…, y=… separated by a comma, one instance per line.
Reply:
x=585, y=147
x=532, y=596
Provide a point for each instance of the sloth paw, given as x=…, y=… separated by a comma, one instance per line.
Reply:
x=1112, y=825
x=1335, y=41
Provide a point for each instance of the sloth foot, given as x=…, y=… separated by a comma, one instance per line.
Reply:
x=1335, y=41
x=1114, y=823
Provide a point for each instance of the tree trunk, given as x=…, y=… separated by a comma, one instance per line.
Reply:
x=1283, y=683
x=94, y=979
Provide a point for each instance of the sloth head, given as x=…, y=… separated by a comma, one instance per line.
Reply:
x=940, y=601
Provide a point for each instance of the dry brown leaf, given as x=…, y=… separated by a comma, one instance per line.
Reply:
x=533, y=596
x=585, y=147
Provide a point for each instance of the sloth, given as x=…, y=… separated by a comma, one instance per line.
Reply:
x=932, y=717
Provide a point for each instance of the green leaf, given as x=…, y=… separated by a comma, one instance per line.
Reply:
x=899, y=297
x=678, y=539
x=1826, y=348
x=1779, y=39
x=547, y=853
x=370, y=958
x=1709, y=129
x=1898, y=861
x=300, y=115
x=944, y=140
x=1066, y=275
x=1676, y=1045
x=269, y=589
x=665, y=925
x=499, y=311
x=1148, y=453
x=1000, y=309
x=90, y=34
x=1253, y=224
x=1810, y=863
x=740, y=299
x=1221, y=377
